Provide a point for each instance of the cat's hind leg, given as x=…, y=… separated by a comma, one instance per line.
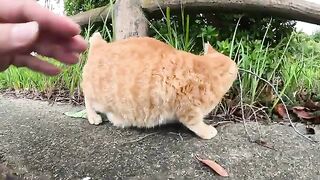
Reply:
x=93, y=116
x=193, y=120
x=117, y=120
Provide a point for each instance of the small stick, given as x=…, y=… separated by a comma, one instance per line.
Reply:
x=242, y=110
x=178, y=134
x=222, y=123
x=256, y=119
x=140, y=138
x=262, y=143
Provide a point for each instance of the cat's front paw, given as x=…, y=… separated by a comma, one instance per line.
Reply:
x=203, y=130
x=209, y=133
x=95, y=119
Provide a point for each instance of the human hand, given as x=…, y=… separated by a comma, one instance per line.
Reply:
x=27, y=27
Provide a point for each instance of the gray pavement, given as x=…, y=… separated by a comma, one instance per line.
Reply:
x=38, y=142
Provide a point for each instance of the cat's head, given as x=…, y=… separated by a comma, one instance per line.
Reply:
x=217, y=60
x=221, y=69
x=214, y=57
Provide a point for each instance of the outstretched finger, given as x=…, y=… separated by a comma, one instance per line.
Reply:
x=75, y=44
x=17, y=11
x=35, y=64
x=15, y=38
x=57, y=52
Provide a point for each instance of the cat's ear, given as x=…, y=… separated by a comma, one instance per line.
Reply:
x=208, y=49
x=95, y=36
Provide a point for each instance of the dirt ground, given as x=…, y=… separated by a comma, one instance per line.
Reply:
x=37, y=141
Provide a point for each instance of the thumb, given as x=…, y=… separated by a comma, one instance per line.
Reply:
x=17, y=37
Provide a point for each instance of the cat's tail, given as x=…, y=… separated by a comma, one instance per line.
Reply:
x=95, y=36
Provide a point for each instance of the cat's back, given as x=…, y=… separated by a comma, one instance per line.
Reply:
x=133, y=47
x=125, y=59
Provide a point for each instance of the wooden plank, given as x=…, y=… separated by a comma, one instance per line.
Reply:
x=301, y=10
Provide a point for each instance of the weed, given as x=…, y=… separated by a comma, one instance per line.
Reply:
x=289, y=64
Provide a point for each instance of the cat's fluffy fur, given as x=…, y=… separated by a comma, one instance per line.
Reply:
x=143, y=82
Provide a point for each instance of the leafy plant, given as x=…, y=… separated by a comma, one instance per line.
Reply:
x=316, y=36
x=73, y=7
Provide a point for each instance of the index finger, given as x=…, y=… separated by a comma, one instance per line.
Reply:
x=19, y=11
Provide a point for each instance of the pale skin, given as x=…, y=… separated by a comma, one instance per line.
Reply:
x=27, y=27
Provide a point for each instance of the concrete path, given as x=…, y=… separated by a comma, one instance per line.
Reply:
x=38, y=142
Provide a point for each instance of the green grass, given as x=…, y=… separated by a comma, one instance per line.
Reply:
x=177, y=35
x=23, y=78
x=293, y=64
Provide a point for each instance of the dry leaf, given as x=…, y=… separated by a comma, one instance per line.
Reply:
x=77, y=114
x=306, y=114
x=214, y=166
x=302, y=112
x=280, y=111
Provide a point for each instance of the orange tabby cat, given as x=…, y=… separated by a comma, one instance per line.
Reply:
x=143, y=82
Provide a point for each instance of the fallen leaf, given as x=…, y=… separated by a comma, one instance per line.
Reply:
x=310, y=130
x=305, y=114
x=302, y=112
x=280, y=111
x=77, y=114
x=214, y=166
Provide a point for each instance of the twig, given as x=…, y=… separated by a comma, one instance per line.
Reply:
x=256, y=119
x=234, y=109
x=178, y=134
x=255, y=110
x=161, y=9
x=264, y=112
x=282, y=101
x=140, y=138
x=264, y=144
x=221, y=123
x=242, y=110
